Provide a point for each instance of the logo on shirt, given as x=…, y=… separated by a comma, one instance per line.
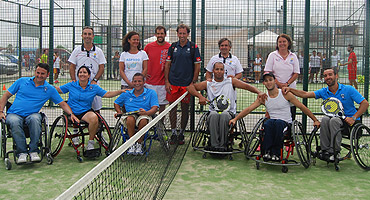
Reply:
x=188, y=50
x=131, y=66
x=94, y=55
x=342, y=95
x=198, y=59
x=91, y=87
x=175, y=50
x=130, y=99
x=291, y=61
x=45, y=89
x=144, y=97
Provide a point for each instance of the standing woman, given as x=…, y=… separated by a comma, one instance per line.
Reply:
x=115, y=60
x=284, y=65
x=133, y=60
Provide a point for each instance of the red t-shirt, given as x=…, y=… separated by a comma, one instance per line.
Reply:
x=157, y=58
x=352, y=56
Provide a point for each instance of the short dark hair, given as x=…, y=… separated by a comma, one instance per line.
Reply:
x=44, y=66
x=218, y=63
x=268, y=74
x=139, y=74
x=87, y=69
x=223, y=40
x=287, y=37
x=332, y=68
x=351, y=46
x=183, y=26
x=88, y=27
x=161, y=28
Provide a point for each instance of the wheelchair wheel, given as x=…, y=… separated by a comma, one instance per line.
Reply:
x=301, y=142
x=162, y=135
x=198, y=136
x=104, y=135
x=44, y=143
x=254, y=140
x=117, y=139
x=243, y=133
x=58, y=133
x=2, y=138
x=360, y=145
x=314, y=146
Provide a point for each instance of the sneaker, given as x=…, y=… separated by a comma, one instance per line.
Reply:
x=181, y=139
x=76, y=141
x=90, y=145
x=34, y=157
x=267, y=157
x=139, y=149
x=275, y=158
x=22, y=158
x=173, y=139
x=132, y=150
x=332, y=157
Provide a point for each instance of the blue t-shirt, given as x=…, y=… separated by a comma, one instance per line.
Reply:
x=346, y=94
x=80, y=100
x=146, y=100
x=182, y=64
x=29, y=98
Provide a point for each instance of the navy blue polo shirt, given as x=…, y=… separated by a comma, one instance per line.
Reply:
x=29, y=99
x=346, y=94
x=146, y=100
x=182, y=65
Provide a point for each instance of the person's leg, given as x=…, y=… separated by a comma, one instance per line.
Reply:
x=225, y=117
x=15, y=123
x=130, y=124
x=92, y=119
x=279, y=128
x=325, y=134
x=33, y=122
x=141, y=124
x=267, y=142
x=335, y=126
x=213, y=126
x=184, y=115
x=293, y=111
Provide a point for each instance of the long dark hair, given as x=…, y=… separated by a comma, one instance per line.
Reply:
x=126, y=44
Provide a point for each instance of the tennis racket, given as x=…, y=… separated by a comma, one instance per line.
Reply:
x=332, y=107
x=128, y=113
x=220, y=103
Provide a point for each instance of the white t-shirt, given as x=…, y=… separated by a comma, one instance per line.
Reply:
x=231, y=63
x=215, y=89
x=315, y=61
x=91, y=59
x=334, y=60
x=133, y=64
x=56, y=63
x=257, y=68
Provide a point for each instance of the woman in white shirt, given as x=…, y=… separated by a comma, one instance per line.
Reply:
x=133, y=60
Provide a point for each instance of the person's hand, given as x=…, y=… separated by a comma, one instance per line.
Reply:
x=262, y=97
x=2, y=116
x=316, y=124
x=349, y=121
x=232, y=122
x=124, y=90
x=267, y=115
x=209, y=79
x=285, y=90
x=116, y=115
x=142, y=112
x=168, y=87
x=74, y=119
x=203, y=100
x=73, y=80
x=93, y=82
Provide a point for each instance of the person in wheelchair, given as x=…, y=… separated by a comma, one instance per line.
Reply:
x=331, y=125
x=143, y=103
x=278, y=108
x=32, y=93
x=221, y=91
x=81, y=96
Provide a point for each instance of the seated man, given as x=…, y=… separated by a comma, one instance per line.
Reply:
x=278, y=108
x=32, y=93
x=218, y=120
x=330, y=125
x=140, y=99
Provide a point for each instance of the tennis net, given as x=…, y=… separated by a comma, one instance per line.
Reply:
x=123, y=176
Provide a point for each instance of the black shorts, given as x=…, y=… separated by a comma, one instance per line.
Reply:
x=314, y=70
x=82, y=114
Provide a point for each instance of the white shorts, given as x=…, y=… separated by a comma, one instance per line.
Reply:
x=137, y=119
x=161, y=92
x=257, y=68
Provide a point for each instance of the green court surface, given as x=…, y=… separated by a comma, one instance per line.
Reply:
x=198, y=178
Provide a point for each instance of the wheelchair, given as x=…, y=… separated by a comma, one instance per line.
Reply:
x=294, y=137
x=201, y=139
x=355, y=139
x=158, y=133
x=43, y=144
x=62, y=129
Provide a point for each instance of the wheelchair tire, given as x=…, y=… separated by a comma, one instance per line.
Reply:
x=314, y=146
x=242, y=131
x=360, y=145
x=254, y=139
x=301, y=141
x=104, y=135
x=117, y=139
x=162, y=135
x=8, y=164
x=3, y=138
x=198, y=136
x=58, y=134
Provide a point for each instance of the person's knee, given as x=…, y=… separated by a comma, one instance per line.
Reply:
x=335, y=122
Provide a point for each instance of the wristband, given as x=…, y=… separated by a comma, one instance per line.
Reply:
x=96, y=80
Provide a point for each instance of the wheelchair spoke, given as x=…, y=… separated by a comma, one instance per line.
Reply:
x=360, y=145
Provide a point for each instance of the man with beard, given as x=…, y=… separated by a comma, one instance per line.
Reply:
x=157, y=53
x=330, y=125
x=278, y=107
x=352, y=66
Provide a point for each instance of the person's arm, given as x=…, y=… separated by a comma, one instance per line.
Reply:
x=68, y=110
x=72, y=71
x=123, y=75
x=194, y=88
x=208, y=76
x=145, y=67
x=118, y=110
x=196, y=72
x=238, y=76
x=59, y=90
x=349, y=62
x=299, y=93
x=361, y=110
x=3, y=101
x=291, y=98
x=111, y=94
x=166, y=73
x=292, y=79
x=240, y=84
x=245, y=112
x=99, y=74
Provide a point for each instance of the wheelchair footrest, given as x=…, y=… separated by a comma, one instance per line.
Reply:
x=92, y=153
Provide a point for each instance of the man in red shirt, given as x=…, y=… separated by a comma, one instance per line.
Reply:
x=157, y=53
x=352, y=66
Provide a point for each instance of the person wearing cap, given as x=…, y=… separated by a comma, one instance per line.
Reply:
x=352, y=66
x=217, y=119
x=278, y=107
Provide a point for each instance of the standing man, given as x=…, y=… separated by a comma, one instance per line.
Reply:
x=90, y=56
x=330, y=125
x=233, y=67
x=335, y=60
x=44, y=56
x=181, y=69
x=315, y=63
x=352, y=66
x=157, y=53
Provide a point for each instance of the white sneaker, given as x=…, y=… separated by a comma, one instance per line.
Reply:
x=34, y=157
x=22, y=158
x=132, y=150
x=76, y=141
x=139, y=149
x=332, y=157
x=90, y=145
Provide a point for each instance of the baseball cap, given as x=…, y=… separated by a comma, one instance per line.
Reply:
x=268, y=74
